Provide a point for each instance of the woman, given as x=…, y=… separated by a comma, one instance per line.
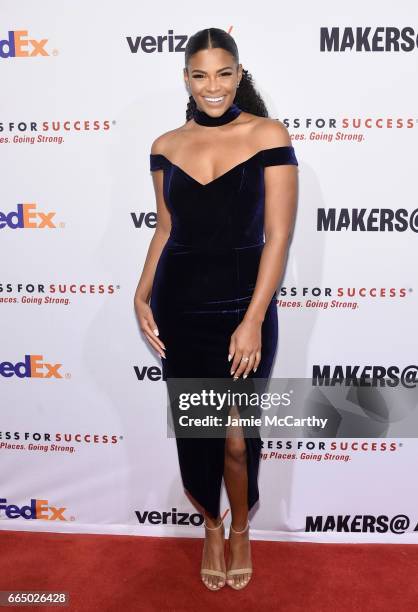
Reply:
x=206, y=299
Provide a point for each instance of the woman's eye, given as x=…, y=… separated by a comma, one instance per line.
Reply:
x=201, y=76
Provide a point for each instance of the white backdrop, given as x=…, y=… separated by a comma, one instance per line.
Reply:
x=83, y=443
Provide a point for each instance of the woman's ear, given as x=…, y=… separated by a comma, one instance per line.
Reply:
x=186, y=80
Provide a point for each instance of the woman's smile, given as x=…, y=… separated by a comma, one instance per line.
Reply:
x=214, y=101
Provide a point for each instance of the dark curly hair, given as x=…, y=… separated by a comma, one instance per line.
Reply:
x=247, y=97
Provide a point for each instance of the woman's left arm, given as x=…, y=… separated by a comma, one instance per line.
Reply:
x=281, y=191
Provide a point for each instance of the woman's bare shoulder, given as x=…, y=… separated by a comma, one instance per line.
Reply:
x=166, y=142
x=269, y=133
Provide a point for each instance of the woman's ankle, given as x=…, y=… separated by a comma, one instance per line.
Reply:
x=213, y=523
x=238, y=527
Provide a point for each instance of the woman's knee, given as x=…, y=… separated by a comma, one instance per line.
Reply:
x=235, y=450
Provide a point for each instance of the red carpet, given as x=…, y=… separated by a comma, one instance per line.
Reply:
x=124, y=573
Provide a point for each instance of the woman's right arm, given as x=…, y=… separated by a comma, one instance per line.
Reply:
x=160, y=237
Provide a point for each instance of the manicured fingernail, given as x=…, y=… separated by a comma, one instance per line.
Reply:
x=255, y=369
x=245, y=375
x=232, y=371
x=229, y=357
x=156, y=332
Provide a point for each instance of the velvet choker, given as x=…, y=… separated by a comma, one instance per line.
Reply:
x=203, y=118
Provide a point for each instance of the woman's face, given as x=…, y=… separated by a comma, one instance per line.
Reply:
x=212, y=78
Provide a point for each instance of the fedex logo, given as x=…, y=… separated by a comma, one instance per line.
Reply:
x=38, y=509
x=33, y=366
x=17, y=44
x=26, y=217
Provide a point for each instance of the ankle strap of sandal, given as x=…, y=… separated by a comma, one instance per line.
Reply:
x=213, y=528
x=242, y=530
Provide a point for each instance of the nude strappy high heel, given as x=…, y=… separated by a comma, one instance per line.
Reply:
x=211, y=572
x=244, y=570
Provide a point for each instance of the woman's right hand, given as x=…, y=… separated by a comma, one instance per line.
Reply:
x=148, y=326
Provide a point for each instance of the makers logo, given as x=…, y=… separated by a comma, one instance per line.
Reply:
x=18, y=44
x=370, y=375
x=27, y=217
x=359, y=523
x=32, y=366
x=367, y=220
x=359, y=39
x=37, y=509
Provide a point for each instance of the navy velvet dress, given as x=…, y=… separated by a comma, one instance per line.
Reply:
x=203, y=284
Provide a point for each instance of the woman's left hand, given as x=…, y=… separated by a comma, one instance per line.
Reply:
x=245, y=342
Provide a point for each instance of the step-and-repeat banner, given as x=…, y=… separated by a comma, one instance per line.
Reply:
x=86, y=88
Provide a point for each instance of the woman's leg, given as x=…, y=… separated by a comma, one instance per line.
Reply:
x=236, y=483
x=213, y=551
x=213, y=556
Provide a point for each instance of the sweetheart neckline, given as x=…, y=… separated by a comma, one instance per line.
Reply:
x=224, y=173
